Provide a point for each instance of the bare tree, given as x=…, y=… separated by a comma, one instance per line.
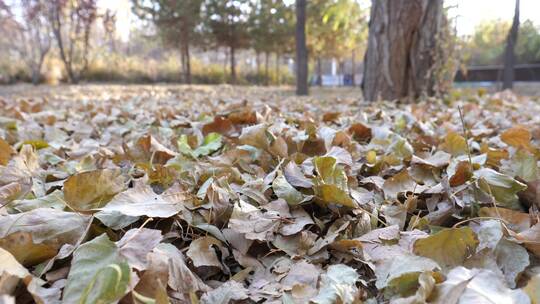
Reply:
x=109, y=25
x=403, y=45
x=71, y=23
x=509, y=56
x=31, y=38
x=301, y=49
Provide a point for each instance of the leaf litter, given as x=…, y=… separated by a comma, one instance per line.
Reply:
x=243, y=195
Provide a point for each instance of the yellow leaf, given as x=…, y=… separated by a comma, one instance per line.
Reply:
x=518, y=137
x=449, y=247
x=332, y=194
x=533, y=289
x=371, y=157
x=6, y=151
x=455, y=144
x=21, y=246
x=92, y=189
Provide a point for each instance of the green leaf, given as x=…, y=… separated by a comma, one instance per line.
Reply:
x=108, y=285
x=503, y=187
x=98, y=274
x=211, y=143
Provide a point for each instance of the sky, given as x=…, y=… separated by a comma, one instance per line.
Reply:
x=469, y=13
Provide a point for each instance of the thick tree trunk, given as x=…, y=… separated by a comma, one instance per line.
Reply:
x=402, y=49
x=301, y=49
x=509, y=56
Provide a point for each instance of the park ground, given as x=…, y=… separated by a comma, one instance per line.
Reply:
x=253, y=193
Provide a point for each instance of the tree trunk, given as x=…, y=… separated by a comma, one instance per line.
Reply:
x=278, y=80
x=341, y=66
x=56, y=25
x=509, y=56
x=353, y=68
x=183, y=64
x=233, y=65
x=35, y=76
x=301, y=49
x=187, y=70
x=266, y=67
x=319, y=71
x=402, y=52
x=258, y=63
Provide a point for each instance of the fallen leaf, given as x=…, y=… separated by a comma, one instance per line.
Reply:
x=98, y=274
x=202, y=253
x=464, y=285
x=93, y=189
x=533, y=289
x=6, y=152
x=37, y=235
x=142, y=201
x=338, y=285
x=448, y=247
x=518, y=137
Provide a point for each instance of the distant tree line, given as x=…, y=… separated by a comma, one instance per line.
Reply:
x=335, y=28
x=410, y=47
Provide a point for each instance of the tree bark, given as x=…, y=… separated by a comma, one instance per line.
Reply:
x=319, y=72
x=301, y=49
x=187, y=69
x=266, y=68
x=353, y=68
x=509, y=56
x=402, y=49
x=35, y=76
x=258, y=63
x=233, y=65
x=278, y=80
x=341, y=73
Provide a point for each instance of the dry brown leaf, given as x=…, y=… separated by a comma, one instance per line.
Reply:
x=93, y=189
